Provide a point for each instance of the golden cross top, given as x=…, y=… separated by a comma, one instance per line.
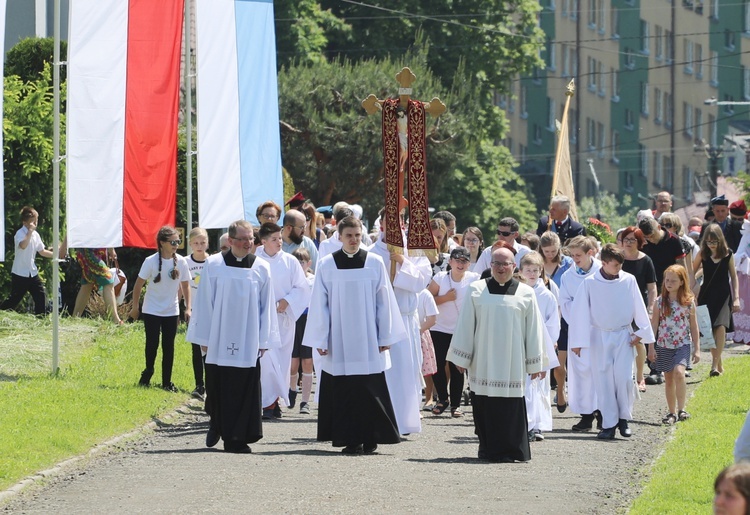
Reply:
x=405, y=78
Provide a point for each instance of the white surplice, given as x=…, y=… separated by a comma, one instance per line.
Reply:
x=404, y=378
x=353, y=313
x=484, y=259
x=602, y=315
x=290, y=284
x=329, y=246
x=581, y=393
x=235, y=313
x=499, y=339
x=538, y=406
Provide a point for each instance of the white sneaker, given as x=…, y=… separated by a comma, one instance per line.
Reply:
x=304, y=408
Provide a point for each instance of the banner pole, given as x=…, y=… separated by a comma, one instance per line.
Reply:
x=188, y=121
x=56, y=189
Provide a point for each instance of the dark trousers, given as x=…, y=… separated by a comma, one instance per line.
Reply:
x=19, y=286
x=442, y=342
x=167, y=327
x=198, y=363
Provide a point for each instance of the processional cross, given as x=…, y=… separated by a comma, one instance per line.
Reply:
x=404, y=154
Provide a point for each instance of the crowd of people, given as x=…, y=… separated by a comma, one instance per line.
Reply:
x=515, y=326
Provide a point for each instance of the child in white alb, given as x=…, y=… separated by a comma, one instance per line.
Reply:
x=198, y=241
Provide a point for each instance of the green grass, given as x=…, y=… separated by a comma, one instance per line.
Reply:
x=46, y=419
x=682, y=479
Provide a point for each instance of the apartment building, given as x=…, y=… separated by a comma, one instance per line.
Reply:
x=643, y=72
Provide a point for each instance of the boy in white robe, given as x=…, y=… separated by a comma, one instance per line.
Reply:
x=499, y=339
x=604, y=310
x=538, y=407
x=352, y=322
x=581, y=394
x=404, y=378
x=235, y=323
x=292, y=293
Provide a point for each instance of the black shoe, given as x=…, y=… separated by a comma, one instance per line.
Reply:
x=622, y=425
x=292, y=398
x=277, y=411
x=170, y=387
x=212, y=438
x=237, y=448
x=352, y=449
x=530, y=436
x=199, y=393
x=145, y=379
x=598, y=417
x=607, y=434
x=585, y=424
x=370, y=448
x=267, y=413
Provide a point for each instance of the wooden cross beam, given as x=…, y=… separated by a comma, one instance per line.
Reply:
x=405, y=78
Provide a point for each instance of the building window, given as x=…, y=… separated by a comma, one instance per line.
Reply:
x=746, y=24
x=687, y=115
x=698, y=61
x=658, y=106
x=714, y=69
x=628, y=182
x=602, y=139
x=644, y=37
x=565, y=60
x=522, y=103
x=592, y=76
x=668, y=174
x=629, y=58
x=564, y=8
x=615, y=85
x=687, y=186
x=614, y=146
x=629, y=124
x=592, y=14
x=658, y=42
x=537, y=134
x=746, y=83
x=658, y=170
x=551, y=114
x=728, y=108
x=615, y=21
x=573, y=62
x=644, y=98
x=590, y=134
x=572, y=126
x=713, y=128
x=688, y=56
x=729, y=39
x=698, y=124
x=713, y=9
x=521, y=154
x=551, y=57
x=574, y=9
x=644, y=161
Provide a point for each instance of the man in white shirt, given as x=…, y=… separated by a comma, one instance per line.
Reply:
x=507, y=231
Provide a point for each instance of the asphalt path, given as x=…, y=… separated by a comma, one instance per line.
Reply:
x=168, y=469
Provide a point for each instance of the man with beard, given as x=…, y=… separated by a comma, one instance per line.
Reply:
x=293, y=235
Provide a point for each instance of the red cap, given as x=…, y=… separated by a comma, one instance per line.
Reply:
x=297, y=200
x=738, y=208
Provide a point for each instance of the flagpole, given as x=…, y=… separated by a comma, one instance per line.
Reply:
x=188, y=121
x=56, y=188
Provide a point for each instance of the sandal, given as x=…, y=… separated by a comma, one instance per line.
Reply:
x=457, y=413
x=440, y=407
x=670, y=419
x=683, y=415
x=642, y=386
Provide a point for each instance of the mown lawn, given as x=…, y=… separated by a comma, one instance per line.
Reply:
x=47, y=418
x=682, y=479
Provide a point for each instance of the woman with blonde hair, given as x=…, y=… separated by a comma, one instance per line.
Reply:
x=440, y=233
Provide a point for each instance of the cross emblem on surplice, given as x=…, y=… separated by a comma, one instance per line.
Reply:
x=233, y=348
x=435, y=107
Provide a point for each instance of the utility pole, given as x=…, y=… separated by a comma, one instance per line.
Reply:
x=713, y=154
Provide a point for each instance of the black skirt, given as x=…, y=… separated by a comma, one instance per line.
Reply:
x=356, y=410
x=233, y=402
x=502, y=428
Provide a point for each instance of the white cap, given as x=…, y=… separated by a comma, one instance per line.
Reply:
x=357, y=210
x=644, y=213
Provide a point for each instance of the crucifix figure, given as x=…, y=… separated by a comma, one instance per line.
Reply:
x=434, y=107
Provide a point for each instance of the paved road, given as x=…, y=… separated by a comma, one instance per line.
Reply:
x=169, y=470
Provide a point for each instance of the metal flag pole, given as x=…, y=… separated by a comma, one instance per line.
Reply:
x=188, y=121
x=56, y=188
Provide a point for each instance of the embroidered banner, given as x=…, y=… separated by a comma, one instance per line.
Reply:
x=420, y=235
x=393, y=182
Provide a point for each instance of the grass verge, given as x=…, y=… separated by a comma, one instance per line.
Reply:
x=46, y=419
x=682, y=478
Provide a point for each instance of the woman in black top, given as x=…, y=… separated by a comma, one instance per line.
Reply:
x=640, y=265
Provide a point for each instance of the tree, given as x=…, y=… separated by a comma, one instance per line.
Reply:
x=615, y=213
x=303, y=29
x=29, y=56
